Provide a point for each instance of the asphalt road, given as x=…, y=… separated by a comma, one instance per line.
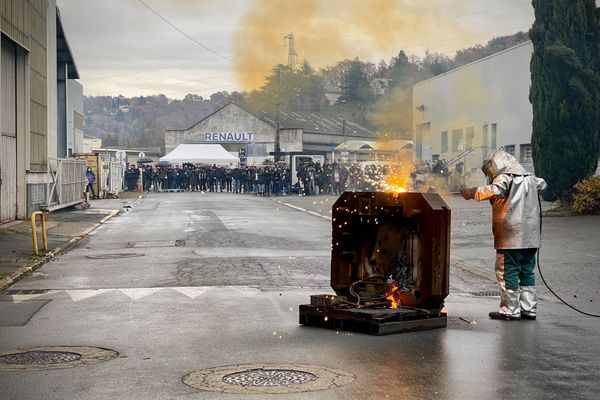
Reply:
x=189, y=281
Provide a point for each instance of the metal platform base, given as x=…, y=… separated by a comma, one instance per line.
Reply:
x=373, y=321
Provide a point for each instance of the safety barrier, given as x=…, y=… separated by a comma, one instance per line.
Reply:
x=34, y=215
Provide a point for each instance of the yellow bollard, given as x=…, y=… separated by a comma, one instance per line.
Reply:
x=34, y=232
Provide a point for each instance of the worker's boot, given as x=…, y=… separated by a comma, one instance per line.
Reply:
x=528, y=302
x=510, y=311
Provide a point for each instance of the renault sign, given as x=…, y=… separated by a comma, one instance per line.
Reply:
x=243, y=137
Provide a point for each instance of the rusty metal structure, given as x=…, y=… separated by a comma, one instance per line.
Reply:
x=390, y=263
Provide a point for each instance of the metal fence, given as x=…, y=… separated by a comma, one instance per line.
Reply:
x=114, y=179
x=68, y=183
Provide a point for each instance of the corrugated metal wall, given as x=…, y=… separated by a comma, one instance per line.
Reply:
x=8, y=177
x=24, y=21
x=8, y=132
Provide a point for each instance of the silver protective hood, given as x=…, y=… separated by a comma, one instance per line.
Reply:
x=500, y=162
x=513, y=193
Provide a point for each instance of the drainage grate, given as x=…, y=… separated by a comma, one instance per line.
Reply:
x=486, y=293
x=157, y=243
x=26, y=291
x=269, y=377
x=114, y=256
x=39, y=358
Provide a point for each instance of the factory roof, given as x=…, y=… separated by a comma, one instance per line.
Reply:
x=308, y=122
x=63, y=50
x=389, y=145
x=316, y=123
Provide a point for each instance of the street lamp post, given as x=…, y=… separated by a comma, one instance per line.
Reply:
x=277, y=128
x=345, y=152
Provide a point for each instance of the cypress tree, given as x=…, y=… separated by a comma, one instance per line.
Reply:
x=565, y=93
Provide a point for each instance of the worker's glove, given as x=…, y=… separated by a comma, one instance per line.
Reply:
x=467, y=193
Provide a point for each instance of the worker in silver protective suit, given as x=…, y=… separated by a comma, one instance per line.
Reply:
x=513, y=193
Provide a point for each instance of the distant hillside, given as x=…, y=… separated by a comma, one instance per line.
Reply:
x=140, y=121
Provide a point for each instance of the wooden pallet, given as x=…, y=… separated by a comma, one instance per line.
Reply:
x=373, y=321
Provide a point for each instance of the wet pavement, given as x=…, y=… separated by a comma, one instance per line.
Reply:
x=188, y=281
x=569, y=256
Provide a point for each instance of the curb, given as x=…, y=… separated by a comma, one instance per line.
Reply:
x=36, y=263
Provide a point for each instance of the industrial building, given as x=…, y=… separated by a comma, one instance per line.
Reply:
x=254, y=136
x=463, y=114
x=41, y=107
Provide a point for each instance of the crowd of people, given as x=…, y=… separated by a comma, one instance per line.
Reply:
x=274, y=179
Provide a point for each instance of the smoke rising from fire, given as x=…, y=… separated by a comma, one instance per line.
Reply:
x=328, y=31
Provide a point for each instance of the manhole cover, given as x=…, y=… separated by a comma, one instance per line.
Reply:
x=42, y=358
x=114, y=256
x=268, y=378
x=486, y=293
x=39, y=357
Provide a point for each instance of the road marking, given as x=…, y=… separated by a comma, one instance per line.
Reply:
x=77, y=295
x=18, y=298
x=316, y=214
x=191, y=292
x=134, y=294
x=138, y=293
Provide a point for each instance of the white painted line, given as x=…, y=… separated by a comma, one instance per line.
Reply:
x=138, y=293
x=293, y=206
x=191, y=292
x=303, y=210
x=77, y=295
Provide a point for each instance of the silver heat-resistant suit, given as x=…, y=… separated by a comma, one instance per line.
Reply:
x=513, y=194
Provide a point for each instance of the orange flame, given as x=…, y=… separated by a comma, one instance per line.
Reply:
x=393, y=295
x=393, y=302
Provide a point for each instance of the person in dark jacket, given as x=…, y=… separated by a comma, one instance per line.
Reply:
x=91, y=178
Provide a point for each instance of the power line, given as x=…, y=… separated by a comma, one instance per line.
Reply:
x=230, y=74
x=411, y=46
x=149, y=70
x=172, y=84
x=364, y=33
x=194, y=40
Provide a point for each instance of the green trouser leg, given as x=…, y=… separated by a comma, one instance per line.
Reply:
x=514, y=267
x=519, y=267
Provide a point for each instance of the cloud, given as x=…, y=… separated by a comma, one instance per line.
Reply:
x=122, y=47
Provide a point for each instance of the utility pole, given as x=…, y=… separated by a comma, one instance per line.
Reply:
x=344, y=132
x=277, y=125
x=289, y=38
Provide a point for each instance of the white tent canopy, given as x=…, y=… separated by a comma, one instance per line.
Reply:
x=200, y=154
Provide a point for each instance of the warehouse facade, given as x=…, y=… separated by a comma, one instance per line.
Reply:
x=242, y=132
x=466, y=113
x=37, y=103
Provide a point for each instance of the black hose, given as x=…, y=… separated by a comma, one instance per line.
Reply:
x=546, y=284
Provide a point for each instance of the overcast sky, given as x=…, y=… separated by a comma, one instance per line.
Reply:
x=122, y=47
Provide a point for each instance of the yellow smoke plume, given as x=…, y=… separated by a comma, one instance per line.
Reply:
x=328, y=31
